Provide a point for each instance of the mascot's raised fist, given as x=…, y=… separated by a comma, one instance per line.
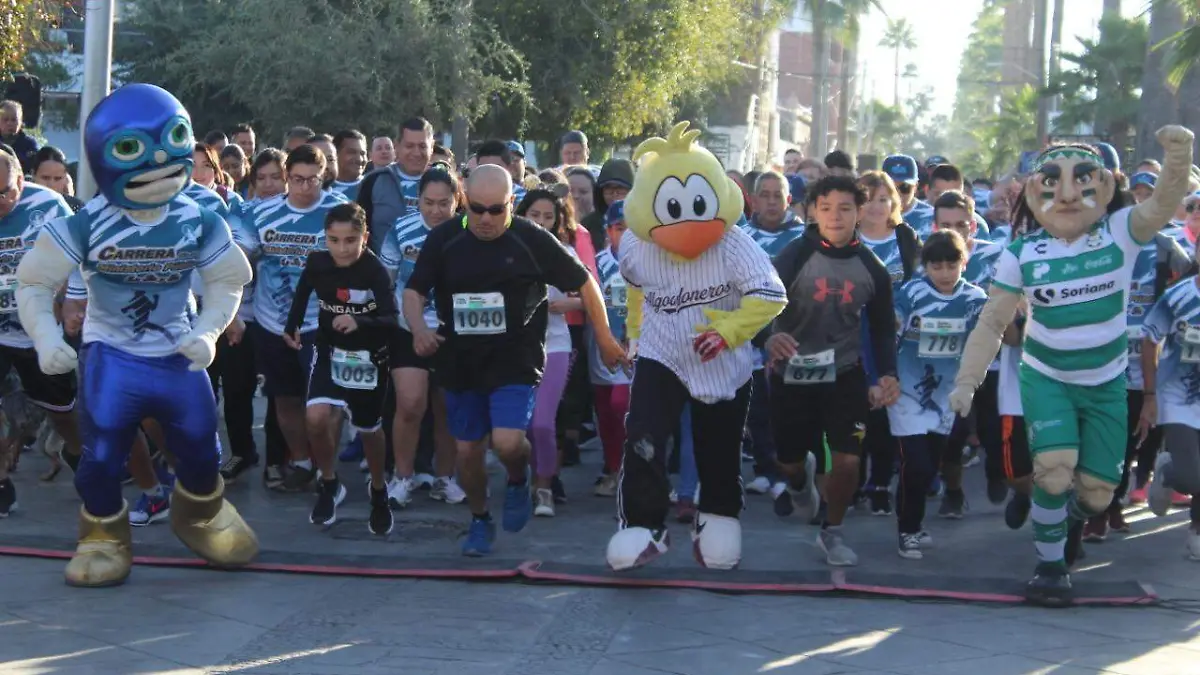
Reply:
x=1174, y=135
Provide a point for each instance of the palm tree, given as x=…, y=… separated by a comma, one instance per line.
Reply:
x=1183, y=46
x=899, y=37
x=1170, y=86
x=830, y=18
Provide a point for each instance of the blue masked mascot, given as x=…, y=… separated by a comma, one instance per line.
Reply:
x=144, y=354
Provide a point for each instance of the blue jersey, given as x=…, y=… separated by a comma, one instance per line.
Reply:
x=36, y=207
x=213, y=201
x=399, y=255
x=1002, y=235
x=933, y=330
x=138, y=275
x=1175, y=321
x=773, y=241
x=1179, y=233
x=348, y=189
x=920, y=218
x=281, y=236
x=888, y=252
x=614, y=289
x=1164, y=247
x=981, y=263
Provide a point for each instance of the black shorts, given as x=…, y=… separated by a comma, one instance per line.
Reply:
x=1014, y=448
x=55, y=393
x=285, y=370
x=803, y=416
x=360, y=389
x=402, y=355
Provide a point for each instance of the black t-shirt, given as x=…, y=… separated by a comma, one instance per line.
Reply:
x=363, y=290
x=491, y=300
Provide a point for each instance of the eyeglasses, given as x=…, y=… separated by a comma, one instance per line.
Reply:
x=494, y=209
x=304, y=180
x=1191, y=208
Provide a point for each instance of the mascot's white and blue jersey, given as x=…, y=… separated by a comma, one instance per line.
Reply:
x=138, y=273
x=36, y=207
x=933, y=330
x=280, y=237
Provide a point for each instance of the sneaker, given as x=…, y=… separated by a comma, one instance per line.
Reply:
x=480, y=535
x=881, y=502
x=399, y=492
x=1116, y=521
x=517, y=505
x=332, y=494
x=1138, y=495
x=759, y=486
x=235, y=467
x=925, y=539
x=1193, y=545
x=1158, y=495
x=818, y=516
x=8, y=497
x=937, y=488
x=1017, y=511
x=837, y=553
x=606, y=486
x=447, y=490
x=423, y=481
x=353, y=451
x=781, y=498
x=380, y=522
x=673, y=497
x=997, y=491
x=558, y=490
x=685, y=511
x=1096, y=529
x=149, y=510
x=1182, y=500
x=545, y=503
x=1049, y=587
x=273, y=477
x=910, y=546
x=953, y=505
x=970, y=456
x=298, y=479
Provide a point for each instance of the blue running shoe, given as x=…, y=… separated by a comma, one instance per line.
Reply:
x=150, y=510
x=517, y=506
x=353, y=452
x=480, y=536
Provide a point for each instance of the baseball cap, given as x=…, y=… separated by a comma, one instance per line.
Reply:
x=516, y=148
x=936, y=160
x=615, y=214
x=1108, y=153
x=901, y=168
x=797, y=188
x=575, y=136
x=1143, y=178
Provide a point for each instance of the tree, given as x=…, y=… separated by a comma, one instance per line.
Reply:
x=1170, y=85
x=1102, y=90
x=1013, y=129
x=21, y=25
x=829, y=17
x=899, y=37
x=978, y=92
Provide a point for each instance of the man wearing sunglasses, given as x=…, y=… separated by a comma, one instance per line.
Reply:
x=489, y=272
x=903, y=171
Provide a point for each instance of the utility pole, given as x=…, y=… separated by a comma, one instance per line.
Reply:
x=97, y=77
x=460, y=129
x=1039, y=52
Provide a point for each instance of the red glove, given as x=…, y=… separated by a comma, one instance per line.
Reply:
x=708, y=345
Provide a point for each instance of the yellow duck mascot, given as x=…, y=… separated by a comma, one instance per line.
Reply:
x=699, y=290
x=1072, y=256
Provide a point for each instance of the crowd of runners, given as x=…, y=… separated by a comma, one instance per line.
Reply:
x=394, y=282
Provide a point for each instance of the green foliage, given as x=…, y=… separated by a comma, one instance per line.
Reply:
x=21, y=25
x=999, y=142
x=1183, y=48
x=978, y=89
x=1101, y=87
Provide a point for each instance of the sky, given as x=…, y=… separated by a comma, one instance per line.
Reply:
x=942, y=28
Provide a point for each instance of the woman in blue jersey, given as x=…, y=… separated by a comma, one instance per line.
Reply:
x=439, y=198
x=895, y=243
x=235, y=163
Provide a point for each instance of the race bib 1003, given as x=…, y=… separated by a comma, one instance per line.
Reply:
x=353, y=369
x=479, y=314
x=819, y=368
x=941, y=338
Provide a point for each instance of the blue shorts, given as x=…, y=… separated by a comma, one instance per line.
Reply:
x=473, y=414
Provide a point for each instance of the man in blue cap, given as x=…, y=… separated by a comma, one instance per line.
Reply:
x=1141, y=184
x=903, y=171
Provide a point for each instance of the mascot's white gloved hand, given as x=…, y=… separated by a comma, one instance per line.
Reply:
x=223, y=280
x=55, y=356
x=960, y=400
x=199, y=348
x=42, y=271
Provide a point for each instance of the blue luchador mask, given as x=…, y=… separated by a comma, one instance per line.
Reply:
x=139, y=145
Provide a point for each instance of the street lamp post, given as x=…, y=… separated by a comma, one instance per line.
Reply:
x=97, y=73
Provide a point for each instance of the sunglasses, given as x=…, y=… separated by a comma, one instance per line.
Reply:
x=494, y=209
x=1191, y=208
x=904, y=188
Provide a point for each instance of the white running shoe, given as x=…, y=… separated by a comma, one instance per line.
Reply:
x=758, y=486
x=544, y=499
x=447, y=490
x=399, y=492
x=635, y=546
x=717, y=541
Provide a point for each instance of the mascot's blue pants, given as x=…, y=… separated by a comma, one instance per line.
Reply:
x=117, y=390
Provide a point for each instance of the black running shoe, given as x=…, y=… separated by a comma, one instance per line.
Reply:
x=1073, y=551
x=380, y=522
x=997, y=491
x=325, y=511
x=235, y=467
x=1017, y=511
x=8, y=497
x=881, y=503
x=1049, y=587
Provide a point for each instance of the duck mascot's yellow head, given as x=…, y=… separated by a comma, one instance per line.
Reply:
x=681, y=199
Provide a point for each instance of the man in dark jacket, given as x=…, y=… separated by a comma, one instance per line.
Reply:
x=616, y=177
x=14, y=136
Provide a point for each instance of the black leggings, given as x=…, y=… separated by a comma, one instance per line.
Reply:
x=918, y=464
x=1144, y=455
x=232, y=372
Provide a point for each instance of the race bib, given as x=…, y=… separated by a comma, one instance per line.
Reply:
x=1191, y=346
x=618, y=292
x=941, y=338
x=816, y=368
x=354, y=369
x=8, y=294
x=1135, y=341
x=479, y=314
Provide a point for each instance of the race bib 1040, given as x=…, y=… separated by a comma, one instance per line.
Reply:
x=479, y=314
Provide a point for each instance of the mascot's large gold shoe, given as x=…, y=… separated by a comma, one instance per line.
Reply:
x=212, y=527
x=103, y=556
